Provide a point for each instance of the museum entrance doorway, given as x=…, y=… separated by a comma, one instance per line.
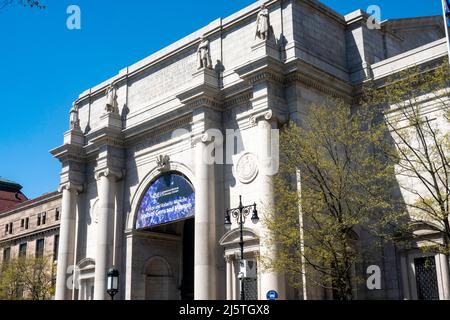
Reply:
x=169, y=274
x=187, y=282
x=165, y=225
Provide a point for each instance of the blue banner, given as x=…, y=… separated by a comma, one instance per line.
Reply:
x=446, y=5
x=170, y=198
x=447, y=11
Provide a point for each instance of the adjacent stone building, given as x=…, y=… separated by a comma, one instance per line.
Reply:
x=31, y=229
x=138, y=192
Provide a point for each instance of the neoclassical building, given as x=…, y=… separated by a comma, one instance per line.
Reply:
x=156, y=155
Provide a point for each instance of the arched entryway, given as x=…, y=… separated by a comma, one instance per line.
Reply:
x=162, y=240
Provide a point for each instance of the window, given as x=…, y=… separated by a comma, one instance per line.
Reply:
x=22, y=223
x=39, y=219
x=6, y=229
x=44, y=218
x=11, y=228
x=40, y=248
x=6, y=255
x=56, y=248
x=57, y=214
x=27, y=223
x=23, y=250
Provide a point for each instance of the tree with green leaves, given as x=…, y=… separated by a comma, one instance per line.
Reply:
x=332, y=186
x=27, y=278
x=417, y=115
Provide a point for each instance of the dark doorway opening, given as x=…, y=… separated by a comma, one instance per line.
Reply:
x=426, y=277
x=187, y=284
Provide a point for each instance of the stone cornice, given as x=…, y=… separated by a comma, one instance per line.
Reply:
x=104, y=137
x=241, y=98
x=204, y=101
x=302, y=72
x=263, y=69
x=204, y=94
x=32, y=204
x=134, y=136
x=68, y=152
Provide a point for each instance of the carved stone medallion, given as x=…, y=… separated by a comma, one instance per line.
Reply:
x=247, y=168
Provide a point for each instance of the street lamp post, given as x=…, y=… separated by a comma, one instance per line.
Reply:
x=240, y=214
x=113, y=282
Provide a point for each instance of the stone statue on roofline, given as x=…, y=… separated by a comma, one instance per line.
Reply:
x=263, y=27
x=111, y=105
x=204, y=55
x=74, y=117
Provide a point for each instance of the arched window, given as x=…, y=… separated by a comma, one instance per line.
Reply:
x=169, y=198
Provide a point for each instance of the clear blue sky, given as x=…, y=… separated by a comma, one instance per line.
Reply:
x=44, y=66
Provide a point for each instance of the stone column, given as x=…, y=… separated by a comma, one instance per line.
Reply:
x=404, y=274
x=106, y=209
x=229, y=262
x=270, y=280
x=445, y=276
x=66, y=240
x=205, y=279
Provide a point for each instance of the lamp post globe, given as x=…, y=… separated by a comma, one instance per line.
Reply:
x=113, y=282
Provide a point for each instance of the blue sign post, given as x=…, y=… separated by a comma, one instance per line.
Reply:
x=272, y=295
x=170, y=198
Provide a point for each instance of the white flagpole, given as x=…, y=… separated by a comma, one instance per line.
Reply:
x=444, y=5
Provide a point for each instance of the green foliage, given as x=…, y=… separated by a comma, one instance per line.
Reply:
x=416, y=103
x=331, y=186
x=27, y=278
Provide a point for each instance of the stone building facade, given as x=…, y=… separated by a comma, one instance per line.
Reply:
x=31, y=229
x=225, y=87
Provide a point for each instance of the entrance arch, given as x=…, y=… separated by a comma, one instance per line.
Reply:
x=160, y=258
x=175, y=167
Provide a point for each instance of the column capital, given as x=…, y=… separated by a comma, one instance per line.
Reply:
x=266, y=115
x=110, y=173
x=70, y=186
x=205, y=138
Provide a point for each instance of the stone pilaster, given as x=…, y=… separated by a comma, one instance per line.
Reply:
x=67, y=240
x=106, y=212
x=445, y=276
x=268, y=160
x=205, y=276
x=203, y=98
x=230, y=275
